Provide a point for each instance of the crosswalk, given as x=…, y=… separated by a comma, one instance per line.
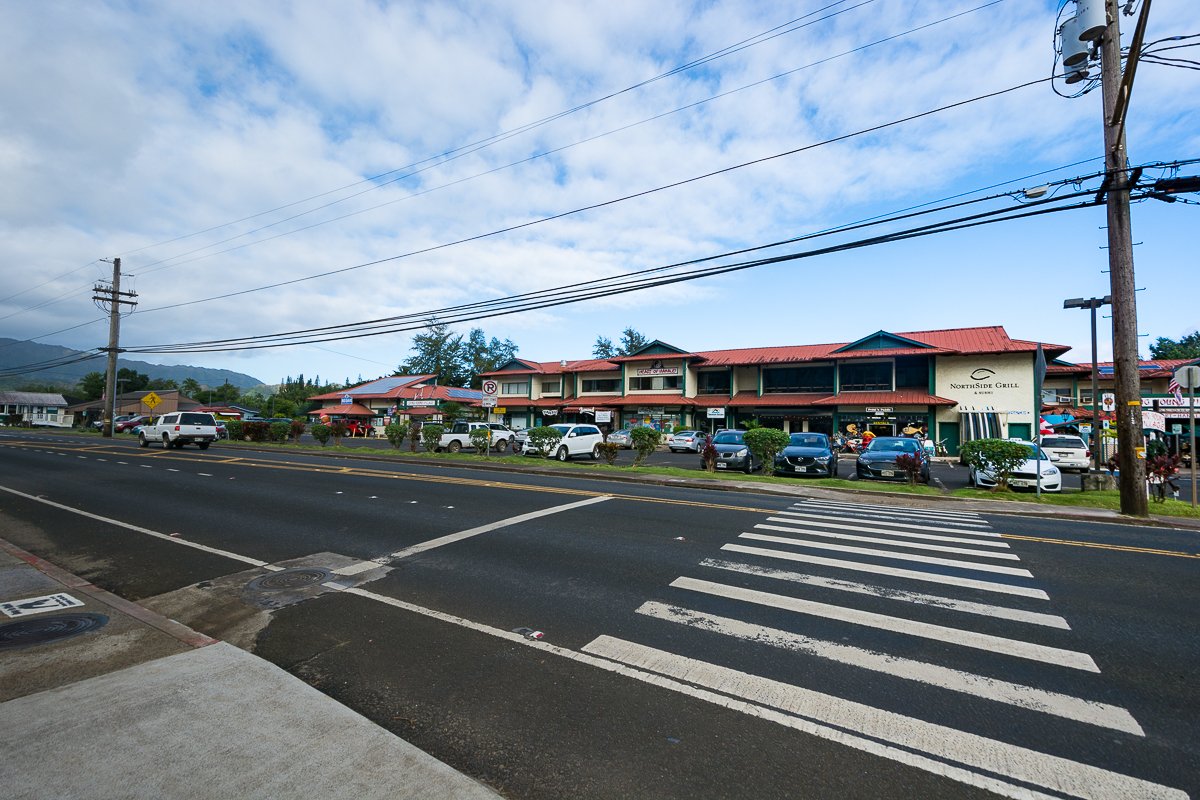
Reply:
x=912, y=634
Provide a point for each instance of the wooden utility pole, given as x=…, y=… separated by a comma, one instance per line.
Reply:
x=1120, y=263
x=109, y=297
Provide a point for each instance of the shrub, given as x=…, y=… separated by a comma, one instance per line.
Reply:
x=337, y=429
x=321, y=433
x=765, y=444
x=396, y=433
x=13, y=420
x=542, y=439
x=481, y=438
x=430, y=434
x=645, y=441
x=280, y=431
x=296, y=430
x=911, y=466
x=708, y=454
x=234, y=429
x=609, y=452
x=1154, y=449
x=996, y=456
x=256, y=431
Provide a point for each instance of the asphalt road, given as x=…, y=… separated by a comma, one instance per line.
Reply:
x=695, y=643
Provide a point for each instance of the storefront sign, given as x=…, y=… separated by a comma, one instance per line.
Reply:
x=983, y=380
x=716, y=413
x=421, y=403
x=883, y=410
x=656, y=371
x=347, y=399
x=1153, y=421
x=603, y=416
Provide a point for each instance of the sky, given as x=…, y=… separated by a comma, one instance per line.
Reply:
x=465, y=152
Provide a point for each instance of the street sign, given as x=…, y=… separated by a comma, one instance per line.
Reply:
x=151, y=400
x=491, y=387
x=1108, y=401
x=488, y=401
x=1188, y=377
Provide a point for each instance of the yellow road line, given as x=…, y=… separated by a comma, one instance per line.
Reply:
x=1100, y=546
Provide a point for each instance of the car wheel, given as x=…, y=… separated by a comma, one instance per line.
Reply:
x=749, y=464
x=595, y=452
x=166, y=441
x=563, y=453
x=203, y=445
x=971, y=478
x=454, y=446
x=500, y=446
x=143, y=441
x=177, y=444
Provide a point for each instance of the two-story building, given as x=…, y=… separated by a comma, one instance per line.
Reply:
x=956, y=385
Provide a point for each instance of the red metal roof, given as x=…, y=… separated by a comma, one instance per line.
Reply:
x=900, y=397
x=344, y=410
x=751, y=399
x=651, y=400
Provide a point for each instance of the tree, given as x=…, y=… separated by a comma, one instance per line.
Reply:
x=1187, y=347
x=481, y=355
x=603, y=348
x=130, y=380
x=439, y=352
x=631, y=342
x=91, y=386
x=191, y=388
x=162, y=384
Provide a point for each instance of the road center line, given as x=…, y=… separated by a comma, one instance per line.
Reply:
x=491, y=526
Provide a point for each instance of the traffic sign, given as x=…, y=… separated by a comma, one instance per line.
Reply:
x=152, y=400
x=488, y=401
x=491, y=387
x=1188, y=377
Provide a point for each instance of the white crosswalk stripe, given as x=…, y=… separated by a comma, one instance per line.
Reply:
x=868, y=540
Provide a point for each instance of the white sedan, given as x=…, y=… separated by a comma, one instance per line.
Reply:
x=1029, y=475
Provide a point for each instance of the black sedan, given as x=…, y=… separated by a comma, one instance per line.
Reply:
x=732, y=452
x=879, y=460
x=807, y=454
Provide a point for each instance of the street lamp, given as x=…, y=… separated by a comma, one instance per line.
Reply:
x=1093, y=303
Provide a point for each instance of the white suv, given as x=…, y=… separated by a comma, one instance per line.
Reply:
x=1068, y=452
x=577, y=440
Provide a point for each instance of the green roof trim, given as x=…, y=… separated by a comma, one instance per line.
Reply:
x=882, y=340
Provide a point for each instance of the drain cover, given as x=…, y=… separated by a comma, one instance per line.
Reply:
x=43, y=630
x=289, y=579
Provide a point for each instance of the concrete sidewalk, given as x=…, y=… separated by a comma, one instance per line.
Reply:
x=102, y=698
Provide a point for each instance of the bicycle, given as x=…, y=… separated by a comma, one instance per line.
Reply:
x=940, y=448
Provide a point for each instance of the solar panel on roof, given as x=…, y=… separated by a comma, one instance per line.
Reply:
x=464, y=394
x=382, y=385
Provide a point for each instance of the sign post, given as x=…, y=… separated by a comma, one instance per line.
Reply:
x=1188, y=378
x=490, y=391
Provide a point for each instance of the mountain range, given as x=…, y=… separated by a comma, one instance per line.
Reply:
x=16, y=354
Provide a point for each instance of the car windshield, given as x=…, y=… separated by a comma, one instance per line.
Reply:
x=807, y=440
x=728, y=437
x=1062, y=441
x=884, y=445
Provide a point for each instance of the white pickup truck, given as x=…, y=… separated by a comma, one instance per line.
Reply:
x=459, y=436
x=179, y=428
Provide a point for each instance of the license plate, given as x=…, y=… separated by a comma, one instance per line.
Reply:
x=887, y=473
x=1020, y=482
x=721, y=466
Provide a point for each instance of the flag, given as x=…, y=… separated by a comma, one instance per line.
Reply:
x=1173, y=388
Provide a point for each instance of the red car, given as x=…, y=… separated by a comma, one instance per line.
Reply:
x=126, y=425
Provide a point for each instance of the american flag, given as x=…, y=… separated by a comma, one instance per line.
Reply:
x=1173, y=388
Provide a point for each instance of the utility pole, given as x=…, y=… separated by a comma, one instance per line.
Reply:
x=1120, y=262
x=109, y=298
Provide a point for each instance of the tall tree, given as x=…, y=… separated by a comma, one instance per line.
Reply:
x=91, y=386
x=632, y=341
x=159, y=384
x=191, y=388
x=1187, y=347
x=603, y=348
x=481, y=355
x=439, y=352
x=130, y=380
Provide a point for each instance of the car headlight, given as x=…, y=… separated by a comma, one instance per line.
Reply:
x=741, y=453
x=1048, y=471
x=823, y=459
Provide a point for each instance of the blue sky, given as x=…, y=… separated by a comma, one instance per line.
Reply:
x=125, y=126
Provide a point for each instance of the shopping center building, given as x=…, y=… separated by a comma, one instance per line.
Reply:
x=954, y=385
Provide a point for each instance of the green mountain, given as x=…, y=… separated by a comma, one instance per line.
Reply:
x=16, y=356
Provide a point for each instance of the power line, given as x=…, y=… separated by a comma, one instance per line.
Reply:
x=606, y=203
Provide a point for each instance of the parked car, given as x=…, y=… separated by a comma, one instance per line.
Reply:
x=732, y=452
x=99, y=424
x=878, y=460
x=576, y=440
x=622, y=438
x=222, y=431
x=520, y=439
x=807, y=454
x=1026, y=476
x=130, y=422
x=1067, y=452
x=687, y=441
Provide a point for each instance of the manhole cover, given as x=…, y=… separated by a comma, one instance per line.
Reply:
x=44, y=630
x=289, y=579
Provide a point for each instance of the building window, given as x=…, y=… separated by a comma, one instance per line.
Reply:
x=798, y=379
x=514, y=388
x=1085, y=397
x=714, y=382
x=912, y=372
x=601, y=384
x=551, y=387
x=875, y=376
x=654, y=383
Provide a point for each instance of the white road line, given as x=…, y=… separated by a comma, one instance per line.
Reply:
x=491, y=526
x=878, y=569
x=849, y=513
x=814, y=711
x=204, y=474
x=147, y=531
x=1014, y=694
x=948, y=603
x=935, y=548
x=867, y=551
x=993, y=540
x=930, y=512
x=842, y=522
x=169, y=469
x=924, y=630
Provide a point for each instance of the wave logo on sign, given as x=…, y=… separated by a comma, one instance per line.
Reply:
x=982, y=374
